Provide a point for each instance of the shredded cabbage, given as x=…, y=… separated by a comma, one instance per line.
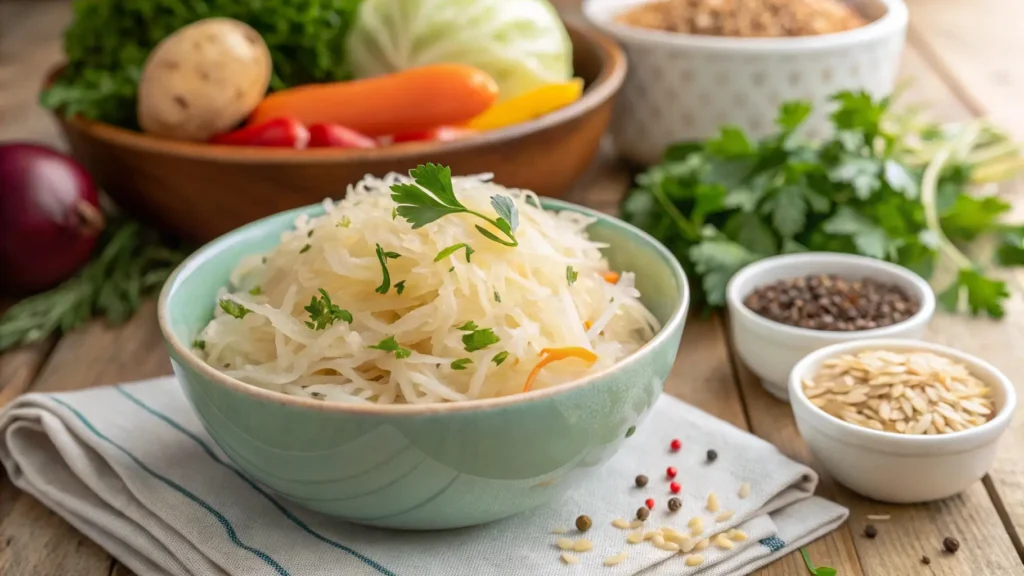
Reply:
x=523, y=294
x=522, y=44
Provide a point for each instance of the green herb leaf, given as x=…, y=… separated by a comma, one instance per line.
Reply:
x=500, y=357
x=323, y=313
x=792, y=115
x=468, y=326
x=400, y=287
x=984, y=295
x=309, y=234
x=345, y=222
x=1010, y=251
x=716, y=261
x=497, y=297
x=971, y=216
x=232, y=308
x=570, y=275
x=383, y=258
x=438, y=180
x=389, y=344
x=730, y=143
x=897, y=177
x=789, y=211
x=199, y=344
x=452, y=250
x=869, y=238
x=860, y=173
x=255, y=291
x=305, y=248
x=461, y=363
x=479, y=339
x=507, y=210
x=814, y=570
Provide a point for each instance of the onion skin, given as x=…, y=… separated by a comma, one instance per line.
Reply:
x=50, y=217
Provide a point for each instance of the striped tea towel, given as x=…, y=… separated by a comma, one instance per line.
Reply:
x=131, y=467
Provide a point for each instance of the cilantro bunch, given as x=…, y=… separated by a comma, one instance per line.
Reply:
x=883, y=185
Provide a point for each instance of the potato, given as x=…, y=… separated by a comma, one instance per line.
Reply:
x=203, y=80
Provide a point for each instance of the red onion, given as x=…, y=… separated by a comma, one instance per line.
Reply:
x=50, y=217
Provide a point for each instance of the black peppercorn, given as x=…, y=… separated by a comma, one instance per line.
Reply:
x=712, y=455
x=926, y=560
x=641, y=481
x=950, y=544
x=870, y=531
x=642, y=513
x=674, y=504
x=583, y=523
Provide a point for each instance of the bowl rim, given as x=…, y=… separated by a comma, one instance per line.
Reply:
x=994, y=426
x=603, y=88
x=184, y=352
x=923, y=291
x=601, y=14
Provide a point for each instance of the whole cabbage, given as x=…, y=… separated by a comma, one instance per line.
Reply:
x=522, y=44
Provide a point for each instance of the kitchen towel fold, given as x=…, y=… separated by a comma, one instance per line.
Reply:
x=131, y=468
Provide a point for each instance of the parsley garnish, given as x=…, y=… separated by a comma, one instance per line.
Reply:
x=461, y=363
x=345, y=222
x=400, y=287
x=479, y=339
x=233, y=308
x=452, y=269
x=570, y=275
x=468, y=326
x=305, y=248
x=433, y=197
x=255, y=291
x=814, y=570
x=394, y=213
x=309, y=234
x=389, y=344
x=199, y=344
x=383, y=257
x=453, y=249
x=497, y=297
x=500, y=357
x=263, y=260
x=323, y=313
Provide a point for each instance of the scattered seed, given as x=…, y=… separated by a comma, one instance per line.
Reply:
x=641, y=481
x=950, y=544
x=669, y=546
x=694, y=560
x=744, y=490
x=687, y=544
x=702, y=544
x=636, y=523
x=674, y=504
x=696, y=525
x=658, y=540
x=569, y=558
x=723, y=542
x=613, y=560
x=870, y=531
x=724, y=516
x=650, y=535
x=620, y=523
x=583, y=523
x=712, y=502
x=926, y=560
x=677, y=537
x=649, y=503
x=712, y=455
x=582, y=545
x=737, y=535
x=559, y=530
x=675, y=445
x=674, y=487
x=643, y=513
x=564, y=543
x=671, y=472
x=635, y=537
x=879, y=517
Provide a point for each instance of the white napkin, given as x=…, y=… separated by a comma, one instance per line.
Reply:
x=131, y=467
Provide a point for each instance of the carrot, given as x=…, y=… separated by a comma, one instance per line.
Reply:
x=412, y=100
x=611, y=277
x=554, y=355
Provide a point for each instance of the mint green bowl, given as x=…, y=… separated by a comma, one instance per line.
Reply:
x=423, y=467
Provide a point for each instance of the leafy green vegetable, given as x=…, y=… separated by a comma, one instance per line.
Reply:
x=468, y=326
x=522, y=44
x=571, y=275
x=108, y=42
x=432, y=197
x=814, y=570
x=199, y=344
x=500, y=357
x=479, y=339
x=461, y=363
x=383, y=257
x=389, y=344
x=232, y=308
x=323, y=312
x=453, y=249
x=400, y=287
x=883, y=185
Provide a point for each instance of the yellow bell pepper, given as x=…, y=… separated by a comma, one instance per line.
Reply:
x=528, y=106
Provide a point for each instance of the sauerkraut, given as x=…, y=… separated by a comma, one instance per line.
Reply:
x=310, y=317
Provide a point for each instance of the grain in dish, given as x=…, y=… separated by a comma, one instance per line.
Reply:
x=745, y=18
x=426, y=289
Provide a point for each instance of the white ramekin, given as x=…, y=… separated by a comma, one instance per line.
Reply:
x=901, y=468
x=683, y=87
x=771, y=348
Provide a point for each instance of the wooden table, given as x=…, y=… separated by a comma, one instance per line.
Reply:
x=964, y=58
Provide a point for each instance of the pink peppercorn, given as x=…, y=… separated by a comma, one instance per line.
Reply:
x=676, y=445
x=649, y=503
x=675, y=487
x=671, y=472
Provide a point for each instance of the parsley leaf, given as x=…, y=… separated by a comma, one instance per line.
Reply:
x=507, y=211
x=255, y=291
x=860, y=173
x=789, y=211
x=453, y=249
x=383, y=258
x=323, y=312
x=389, y=344
x=717, y=261
x=305, y=248
x=199, y=344
x=792, y=115
x=983, y=294
x=869, y=238
x=461, y=363
x=1011, y=246
x=814, y=570
x=500, y=357
x=400, y=287
x=479, y=339
x=345, y=222
x=468, y=326
x=497, y=297
x=570, y=275
x=232, y=308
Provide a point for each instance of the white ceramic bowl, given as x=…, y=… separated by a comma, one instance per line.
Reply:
x=683, y=87
x=900, y=468
x=771, y=348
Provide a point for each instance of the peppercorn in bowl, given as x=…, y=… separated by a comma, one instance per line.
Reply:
x=785, y=307
x=901, y=420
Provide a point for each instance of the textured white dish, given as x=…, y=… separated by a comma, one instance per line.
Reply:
x=683, y=87
x=901, y=468
x=771, y=348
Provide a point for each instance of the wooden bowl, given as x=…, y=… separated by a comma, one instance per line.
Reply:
x=198, y=191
